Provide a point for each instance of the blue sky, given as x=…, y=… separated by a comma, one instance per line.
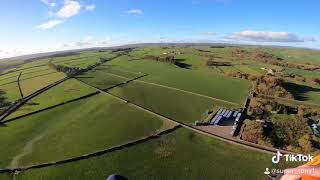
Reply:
x=30, y=26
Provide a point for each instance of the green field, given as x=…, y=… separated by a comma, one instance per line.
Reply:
x=179, y=155
x=180, y=106
x=66, y=131
x=302, y=72
x=100, y=79
x=30, y=86
x=68, y=90
x=302, y=92
x=206, y=83
x=11, y=92
x=297, y=55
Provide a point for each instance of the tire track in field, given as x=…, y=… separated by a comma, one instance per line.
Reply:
x=27, y=149
x=172, y=88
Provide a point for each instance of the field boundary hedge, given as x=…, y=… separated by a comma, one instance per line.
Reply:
x=19, y=86
x=51, y=107
x=29, y=78
x=93, y=154
x=24, y=100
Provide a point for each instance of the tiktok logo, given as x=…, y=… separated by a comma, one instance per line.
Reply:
x=276, y=158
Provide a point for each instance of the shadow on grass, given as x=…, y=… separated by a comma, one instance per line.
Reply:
x=180, y=63
x=299, y=91
x=85, y=77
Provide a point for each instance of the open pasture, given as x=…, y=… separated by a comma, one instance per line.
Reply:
x=182, y=154
x=67, y=131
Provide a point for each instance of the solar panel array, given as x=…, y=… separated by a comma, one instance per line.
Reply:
x=225, y=114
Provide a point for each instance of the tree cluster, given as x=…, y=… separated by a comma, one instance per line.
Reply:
x=269, y=58
x=65, y=69
x=211, y=62
x=299, y=78
x=271, y=86
x=241, y=75
x=167, y=59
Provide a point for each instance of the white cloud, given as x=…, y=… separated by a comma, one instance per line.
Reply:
x=208, y=33
x=50, y=24
x=70, y=8
x=91, y=7
x=135, y=11
x=262, y=36
x=48, y=3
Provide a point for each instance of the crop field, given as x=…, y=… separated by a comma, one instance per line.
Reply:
x=66, y=131
x=68, y=90
x=182, y=154
x=206, y=83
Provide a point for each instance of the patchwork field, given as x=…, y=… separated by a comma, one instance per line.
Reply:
x=184, y=91
x=68, y=90
x=182, y=154
x=206, y=83
x=66, y=131
x=30, y=86
x=180, y=106
x=11, y=92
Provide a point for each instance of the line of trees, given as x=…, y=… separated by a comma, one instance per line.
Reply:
x=272, y=59
x=271, y=86
x=300, y=78
x=65, y=69
x=241, y=75
x=167, y=59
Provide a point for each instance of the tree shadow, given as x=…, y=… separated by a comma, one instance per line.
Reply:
x=299, y=91
x=180, y=63
x=85, y=77
x=3, y=99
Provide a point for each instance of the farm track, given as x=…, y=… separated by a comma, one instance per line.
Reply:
x=172, y=88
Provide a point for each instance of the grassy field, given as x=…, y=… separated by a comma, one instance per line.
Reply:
x=206, y=83
x=68, y=90
x=179, y=155
x=5, y=176
x=183, y=107
x=68, y=131
x=302, y=92
x=11, y=92
x=100, y=79
x=297, y=55
x=30, y=86
x=302, y=72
